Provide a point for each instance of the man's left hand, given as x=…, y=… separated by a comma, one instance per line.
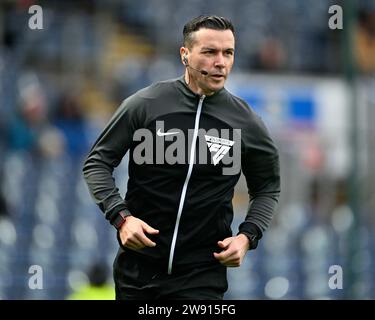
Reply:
x=234, y=250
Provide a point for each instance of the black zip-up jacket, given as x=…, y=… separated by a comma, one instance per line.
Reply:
x=172, y=186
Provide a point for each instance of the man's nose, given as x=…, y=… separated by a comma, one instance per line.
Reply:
x=219, y=61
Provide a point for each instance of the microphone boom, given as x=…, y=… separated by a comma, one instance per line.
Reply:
x=204, y=72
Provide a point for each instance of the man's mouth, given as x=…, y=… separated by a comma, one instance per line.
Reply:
x=217, y=76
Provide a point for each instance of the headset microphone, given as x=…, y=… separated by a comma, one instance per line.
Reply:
x=204, y=72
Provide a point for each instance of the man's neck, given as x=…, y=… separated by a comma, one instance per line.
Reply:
x=194, y=87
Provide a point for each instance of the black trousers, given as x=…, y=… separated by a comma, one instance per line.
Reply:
x=139, y=278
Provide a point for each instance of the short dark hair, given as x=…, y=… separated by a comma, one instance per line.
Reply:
x=205, y=21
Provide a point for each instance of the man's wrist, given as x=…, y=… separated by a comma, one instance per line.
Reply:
x=245, y=239
x=121, y=218
x=253, y=240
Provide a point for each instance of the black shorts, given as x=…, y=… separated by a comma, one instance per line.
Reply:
x=139, y=278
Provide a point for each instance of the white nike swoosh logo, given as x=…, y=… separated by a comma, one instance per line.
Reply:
x=161, y=134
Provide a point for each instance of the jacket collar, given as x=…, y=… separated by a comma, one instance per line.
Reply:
x=183, y=86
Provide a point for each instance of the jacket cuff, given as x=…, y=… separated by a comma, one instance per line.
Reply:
x=252, y=232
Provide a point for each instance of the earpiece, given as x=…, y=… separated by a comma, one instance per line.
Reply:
x=185, y=60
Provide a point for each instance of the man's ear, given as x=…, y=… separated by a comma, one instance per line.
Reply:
x=184, y=55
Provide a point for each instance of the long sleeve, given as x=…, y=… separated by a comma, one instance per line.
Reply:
x=107, y=153
x=260, y=165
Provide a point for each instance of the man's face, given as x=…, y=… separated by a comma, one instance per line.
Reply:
x=211, y=51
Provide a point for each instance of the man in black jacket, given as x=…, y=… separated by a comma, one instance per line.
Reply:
x=188, y=140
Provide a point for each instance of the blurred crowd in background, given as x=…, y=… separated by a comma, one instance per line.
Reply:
x=60, y=85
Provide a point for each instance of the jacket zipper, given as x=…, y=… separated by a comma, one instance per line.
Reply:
x=183, y=193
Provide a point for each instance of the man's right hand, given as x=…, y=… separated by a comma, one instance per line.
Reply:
x=133, y=234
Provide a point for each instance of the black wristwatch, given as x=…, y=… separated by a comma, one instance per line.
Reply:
x=121, y=218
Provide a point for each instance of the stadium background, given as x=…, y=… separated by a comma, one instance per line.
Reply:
x=313, y=87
